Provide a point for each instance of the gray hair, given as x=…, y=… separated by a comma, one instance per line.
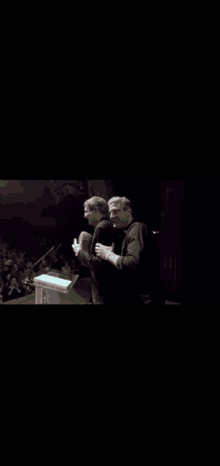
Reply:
x=98, y=203
x=123, y=201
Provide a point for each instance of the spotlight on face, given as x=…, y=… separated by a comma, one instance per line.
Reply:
x=90, y=216
x=118, y=216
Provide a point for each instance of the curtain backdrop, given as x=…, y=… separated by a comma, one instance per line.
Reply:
x=101, y=188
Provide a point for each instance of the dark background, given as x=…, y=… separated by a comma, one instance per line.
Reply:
x=144, y=193
x=195, y=244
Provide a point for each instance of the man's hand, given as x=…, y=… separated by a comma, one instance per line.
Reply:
x=102, y=251
x=76, y=247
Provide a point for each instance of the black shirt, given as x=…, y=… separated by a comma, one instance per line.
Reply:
x=133, y=263
x=102, y=272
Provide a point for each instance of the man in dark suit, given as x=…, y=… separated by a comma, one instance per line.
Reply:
x=102, y=272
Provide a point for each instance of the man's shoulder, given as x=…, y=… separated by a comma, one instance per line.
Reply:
x=105, y=223
x=136, y=227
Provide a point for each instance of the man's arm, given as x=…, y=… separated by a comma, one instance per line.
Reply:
x=103, y=234
x=84, y=258
x=85, y=240
x=135, y=249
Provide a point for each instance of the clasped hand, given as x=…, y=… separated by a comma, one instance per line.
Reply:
x=102, y=251
x=76, y=247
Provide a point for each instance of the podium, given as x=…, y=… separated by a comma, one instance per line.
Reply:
x=80, y=293
x=50, y=287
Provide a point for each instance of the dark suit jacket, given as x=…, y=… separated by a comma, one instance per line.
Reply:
x=102, y=272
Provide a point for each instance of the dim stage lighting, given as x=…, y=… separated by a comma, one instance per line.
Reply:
x=3, y=183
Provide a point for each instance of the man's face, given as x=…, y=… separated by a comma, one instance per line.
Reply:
x=118, y=216
x=91, y=216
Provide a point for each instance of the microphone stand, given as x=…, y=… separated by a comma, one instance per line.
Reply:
x=29, y=279
x=53, y=256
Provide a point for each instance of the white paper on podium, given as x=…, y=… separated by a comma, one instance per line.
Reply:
x=54, y=282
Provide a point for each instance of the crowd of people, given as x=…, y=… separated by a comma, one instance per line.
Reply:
x=16, y=265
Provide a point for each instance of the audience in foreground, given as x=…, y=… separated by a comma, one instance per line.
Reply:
x=15, y=266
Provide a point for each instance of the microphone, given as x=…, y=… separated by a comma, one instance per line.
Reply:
x=53, y=256
x=28, y=280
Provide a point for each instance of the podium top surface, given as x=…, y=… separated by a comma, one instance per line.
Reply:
x=44, y=280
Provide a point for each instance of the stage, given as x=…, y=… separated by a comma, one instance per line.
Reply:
x=79, y=294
